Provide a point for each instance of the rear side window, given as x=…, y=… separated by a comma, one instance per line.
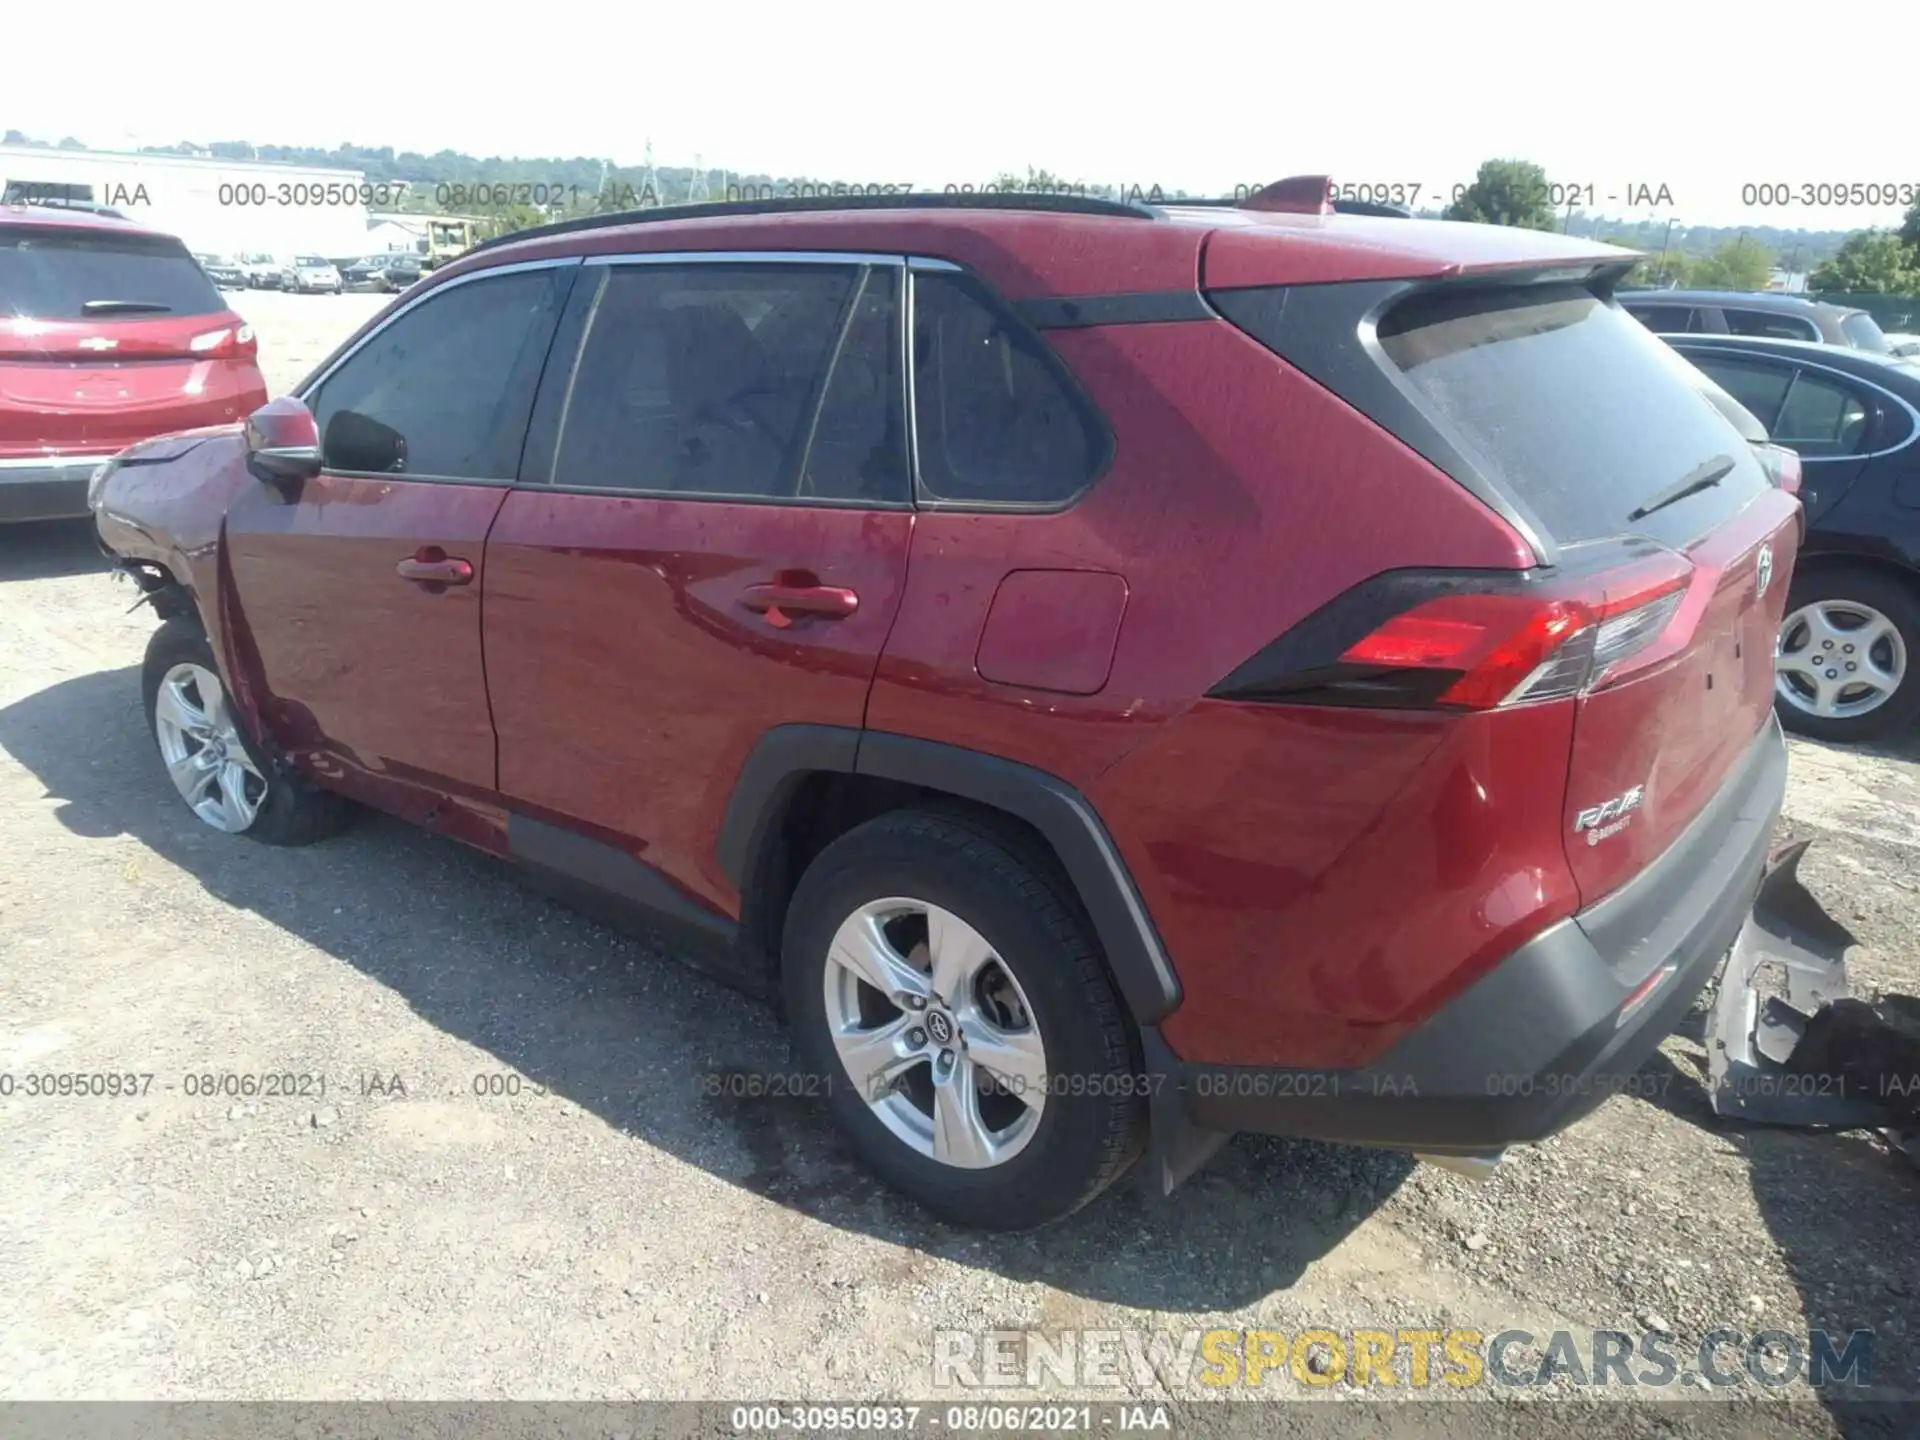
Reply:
x=1571, y=408
x=1863, y=332
x=445, y=389
x=997, y=421
x=50, y=274
x=755, y=381
x=1779, y=327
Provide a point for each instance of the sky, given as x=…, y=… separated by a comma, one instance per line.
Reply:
x=1201, y=96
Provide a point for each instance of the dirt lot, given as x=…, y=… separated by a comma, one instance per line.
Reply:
x=608, y=1233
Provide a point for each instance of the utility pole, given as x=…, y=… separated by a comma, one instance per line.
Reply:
x=1661, y=263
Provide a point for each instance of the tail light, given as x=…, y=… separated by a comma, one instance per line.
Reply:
x=1483, y=642
x=1782, y=466
x=230, y=342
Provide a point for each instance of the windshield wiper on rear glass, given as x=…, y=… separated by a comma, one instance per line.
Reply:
x=125, y=307
x=1703, y=476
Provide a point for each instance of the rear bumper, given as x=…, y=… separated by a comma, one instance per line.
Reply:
x=49, y=488
x=1541, y=1039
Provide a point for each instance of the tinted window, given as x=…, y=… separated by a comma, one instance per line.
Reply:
x=996, y=420
x=1665, y=319
x=1863, y=333
x=1564, y=402
x=48, y=274
x=445, y=389
x=715, y=379
x=1761, y=322
x=1821, y=418
x=1758, y=386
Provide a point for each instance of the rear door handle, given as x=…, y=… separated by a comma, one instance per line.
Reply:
x=779, y=603
x=433, y=567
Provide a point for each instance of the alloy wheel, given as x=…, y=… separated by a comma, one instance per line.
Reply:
x=1838, y=659
x=935, y=1033
x=204, y=753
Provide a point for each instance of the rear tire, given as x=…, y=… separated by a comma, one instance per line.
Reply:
x=1828, y=610
x=1007, y=966
x=216, y=769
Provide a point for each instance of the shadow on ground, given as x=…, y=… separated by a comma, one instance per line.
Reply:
x=49, y=549
x=614, y=1025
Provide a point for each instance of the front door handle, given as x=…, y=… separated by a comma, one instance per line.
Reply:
x=780, y=603
x=433, y=567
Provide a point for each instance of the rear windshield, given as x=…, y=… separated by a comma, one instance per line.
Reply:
x=48, y=274
x=1863, y=333
x=1573, y=408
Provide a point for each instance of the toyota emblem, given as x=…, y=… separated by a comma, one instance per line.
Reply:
x=1763, y=572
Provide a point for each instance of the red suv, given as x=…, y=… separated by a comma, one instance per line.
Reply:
x=1119, y=675
x=109, y=333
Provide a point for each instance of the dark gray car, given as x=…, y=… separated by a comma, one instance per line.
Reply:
x=1766, y=314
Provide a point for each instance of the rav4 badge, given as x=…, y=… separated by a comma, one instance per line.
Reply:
x=1609, y=817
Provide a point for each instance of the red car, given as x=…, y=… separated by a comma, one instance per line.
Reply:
x=109, y=333
x=1119, y=675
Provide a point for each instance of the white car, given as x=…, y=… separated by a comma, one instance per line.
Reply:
x=311, y=274
x=263, y=271
x=1907, y=347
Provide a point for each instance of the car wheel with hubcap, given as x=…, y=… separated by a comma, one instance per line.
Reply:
x=1843, y=668
x=945, y=988
x=214, y=768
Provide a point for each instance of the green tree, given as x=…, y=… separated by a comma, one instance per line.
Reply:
x=510, y=218
x=1740, y=264
x=1507, y=192
x=1910, y=230
x=1038, y=182
x=1872, y=262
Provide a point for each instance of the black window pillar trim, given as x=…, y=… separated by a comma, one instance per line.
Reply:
x=786, y=754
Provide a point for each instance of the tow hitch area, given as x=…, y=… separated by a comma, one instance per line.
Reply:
x=1787, y=1044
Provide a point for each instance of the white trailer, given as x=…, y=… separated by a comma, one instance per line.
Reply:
x=220, y=207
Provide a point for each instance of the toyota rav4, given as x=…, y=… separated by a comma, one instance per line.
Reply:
x=1117, y=675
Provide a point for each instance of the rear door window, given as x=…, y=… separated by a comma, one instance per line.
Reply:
x=1754, y=383
x=998, y=422
x=52, y=274
x=1666, y=319
x=741, y=381
x=444, y=390
x=1571, y=408
x=1773, y=324
x=1822, y=418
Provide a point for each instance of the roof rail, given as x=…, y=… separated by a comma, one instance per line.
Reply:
x=807, y=204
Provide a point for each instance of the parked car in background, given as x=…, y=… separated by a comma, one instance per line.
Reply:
x=112, y=333
x=403, y=270
x=225, y=273
x=264, y=271
x=311, y=274
x=1735, y=312
x=1851, y=637
x=366, y=274
x=1065, y=832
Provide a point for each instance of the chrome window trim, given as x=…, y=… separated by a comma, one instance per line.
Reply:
x=414, y=302
x=1844, y=378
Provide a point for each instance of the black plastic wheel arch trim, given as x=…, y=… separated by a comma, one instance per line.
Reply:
x=786, y=754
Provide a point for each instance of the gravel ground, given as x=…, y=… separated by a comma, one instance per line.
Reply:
x=609, y=1233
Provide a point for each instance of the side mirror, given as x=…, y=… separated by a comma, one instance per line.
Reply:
x=283, y=445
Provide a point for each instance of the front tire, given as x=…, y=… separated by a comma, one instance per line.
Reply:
x=948, y=992
x=1849, y=646
x=215, y=768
